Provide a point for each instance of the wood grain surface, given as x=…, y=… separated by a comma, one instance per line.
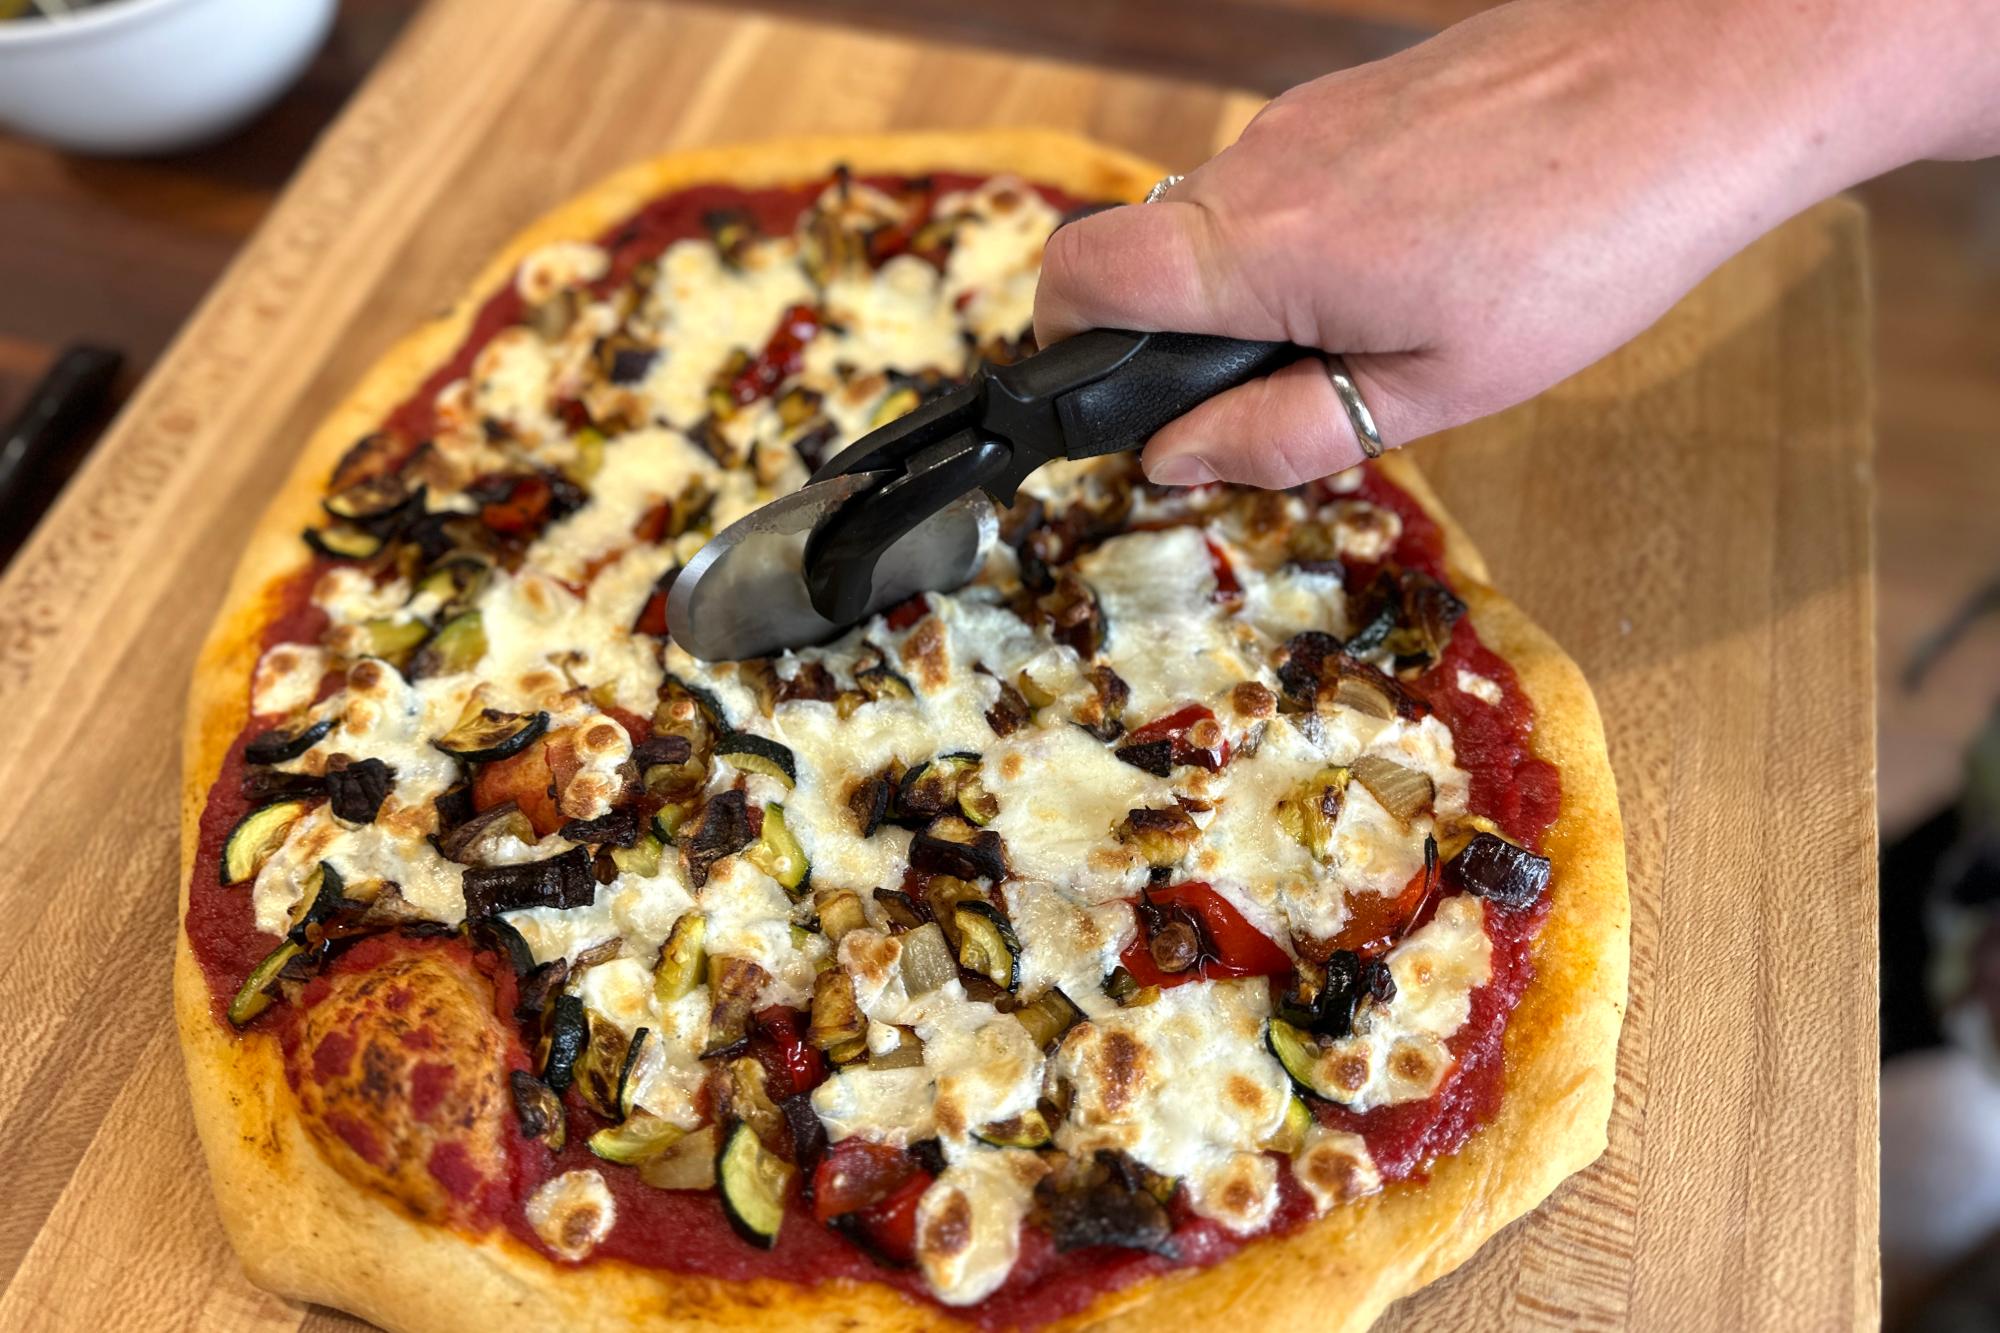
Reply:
x=1690, y=518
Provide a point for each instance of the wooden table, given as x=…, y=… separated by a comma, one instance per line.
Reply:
x=1685, y=517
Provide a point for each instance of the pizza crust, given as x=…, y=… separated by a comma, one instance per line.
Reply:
x=305, y=1231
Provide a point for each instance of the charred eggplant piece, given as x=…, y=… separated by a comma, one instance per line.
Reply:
x=569, y=1034
x=256, y=837
x=840, y=913
x=538, y=1110
x=870, y=801
x=281, y=743
x=734, y=984
x=953, y=847
x=561, y=881
x=1302, y=663
x=492, y=934
x=491, y=734
x=723, y=829
x=901, y=910
x=1421, y=613
x=880, y=684
x=259, y=989
x=1010, y=712
x=370, y=501
x=755, y=1183
x=1071, y=612
x=987, y=945
x=261, y=786
x=618, y=828
x=1492, y=868
x=1155, y=757
x=539, y=987
x=836, y=1013
x=1103, y=1208
x=356, y=788
x=1103, y=714
x=473, y=841
x=755, y=754
x=932, y=788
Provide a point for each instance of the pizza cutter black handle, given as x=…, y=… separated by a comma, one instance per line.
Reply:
x=1166, y=376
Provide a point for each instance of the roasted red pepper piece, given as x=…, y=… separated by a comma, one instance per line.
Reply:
x=891, y=1225
x=524, y=508
x=1196, y=735
x=906, y=613
x=783, y=356
x=1234, y=947
x=1226, y=585
x=856, y=1174
x=791, y=1065
x=1375, y=921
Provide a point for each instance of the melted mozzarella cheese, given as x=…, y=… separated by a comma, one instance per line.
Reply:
x=1335, y=1167
x=1067, y=944
x=640, y=469
x=1186, y=1086
x=1482, y=688
x=573, y=1213
x=1163, y=627
x=1061, y=793
x=1397, y=1051
x=891, y=1106
x=969, y=1222
x=542, y=640
x=709, y=310
x=287, y=678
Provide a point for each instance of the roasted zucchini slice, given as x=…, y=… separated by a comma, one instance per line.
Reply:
x=344, y=541
x=754, y=1184
x=640, y=1139
x=257, y=992
x=1291, y=1135
x=393, y=638
x=986, y=943
x=1298, y=1051
x=754, y=754
x=681, y=959
x=1049, y=1017
x=457, y=646
x=641, y=859
x=538, y=1110
x=454, y=582
x=281, y=743
x=323, y=892
x=491, y=734
x=1027, y=1130
x=688, y=1164
x=256, y=836
x=777, y=853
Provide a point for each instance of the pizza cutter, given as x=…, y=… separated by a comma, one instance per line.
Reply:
x=911, y=507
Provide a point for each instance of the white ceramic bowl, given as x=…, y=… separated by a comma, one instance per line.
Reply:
x=151, y=76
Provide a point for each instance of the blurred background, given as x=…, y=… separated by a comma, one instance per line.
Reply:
x=117, y=212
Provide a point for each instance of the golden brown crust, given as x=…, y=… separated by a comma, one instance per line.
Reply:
x=306, y=1231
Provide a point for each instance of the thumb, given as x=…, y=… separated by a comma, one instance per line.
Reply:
x=1285, y=429
x=1145, y=267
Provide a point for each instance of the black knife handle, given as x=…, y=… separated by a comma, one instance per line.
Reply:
x=1166, y=376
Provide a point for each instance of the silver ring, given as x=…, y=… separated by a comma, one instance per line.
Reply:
x=1358, y=414
x=1159, y=191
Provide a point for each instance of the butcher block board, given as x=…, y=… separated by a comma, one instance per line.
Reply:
x=1690, y=518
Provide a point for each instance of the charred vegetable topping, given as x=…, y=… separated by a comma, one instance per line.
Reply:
x=569, y=1033
x=369, y=502
x=953, y=847
x=492, y=934
x=723, y=829
x=1409, y=615
x=256, y=837
x=939, y=786
x=986, y=944
x=733, y=987
x=639, y=1139
x=614, y=828
x=261, y=786
x=1103, y=713
x=1048, y=1017
x=1072, y=616
x=356, y=788
x=458, y=646
x=538, y=1110
x=478, y=839
x=1155, y=757
x=681, y=959
x=605, y=1064
x=1030, y=1129
x=777, y=852
x=259, y=989
x=754, y=754
x=840, y=913
x=836, y=1014
x=344, y=541
x=1103, y=1202
x=490, y=734
x=1310, y=813
x=1490, y=867
x=281, y=743
x=1164, y=837
x=1403, y=791
x=869, y=800
x=321, y=895
x=1301, y=663
x=1190, y=735
x=560, y=881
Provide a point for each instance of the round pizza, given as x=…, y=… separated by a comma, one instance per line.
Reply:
x=1217, y=906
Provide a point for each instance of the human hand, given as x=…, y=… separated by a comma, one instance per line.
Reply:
x=1476, y=218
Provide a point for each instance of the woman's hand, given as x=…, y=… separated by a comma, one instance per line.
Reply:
x=1480, y=216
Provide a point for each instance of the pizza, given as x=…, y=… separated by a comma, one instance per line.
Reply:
x=1216, y=907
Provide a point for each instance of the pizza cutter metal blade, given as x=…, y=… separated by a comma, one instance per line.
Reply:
x=910, y=507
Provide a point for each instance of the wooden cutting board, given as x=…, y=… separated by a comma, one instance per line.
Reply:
x=1690, y=518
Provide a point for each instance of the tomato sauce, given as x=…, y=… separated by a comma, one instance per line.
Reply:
x=686, y=1232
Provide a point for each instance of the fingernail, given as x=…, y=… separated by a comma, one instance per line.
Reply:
x=1180, y=470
